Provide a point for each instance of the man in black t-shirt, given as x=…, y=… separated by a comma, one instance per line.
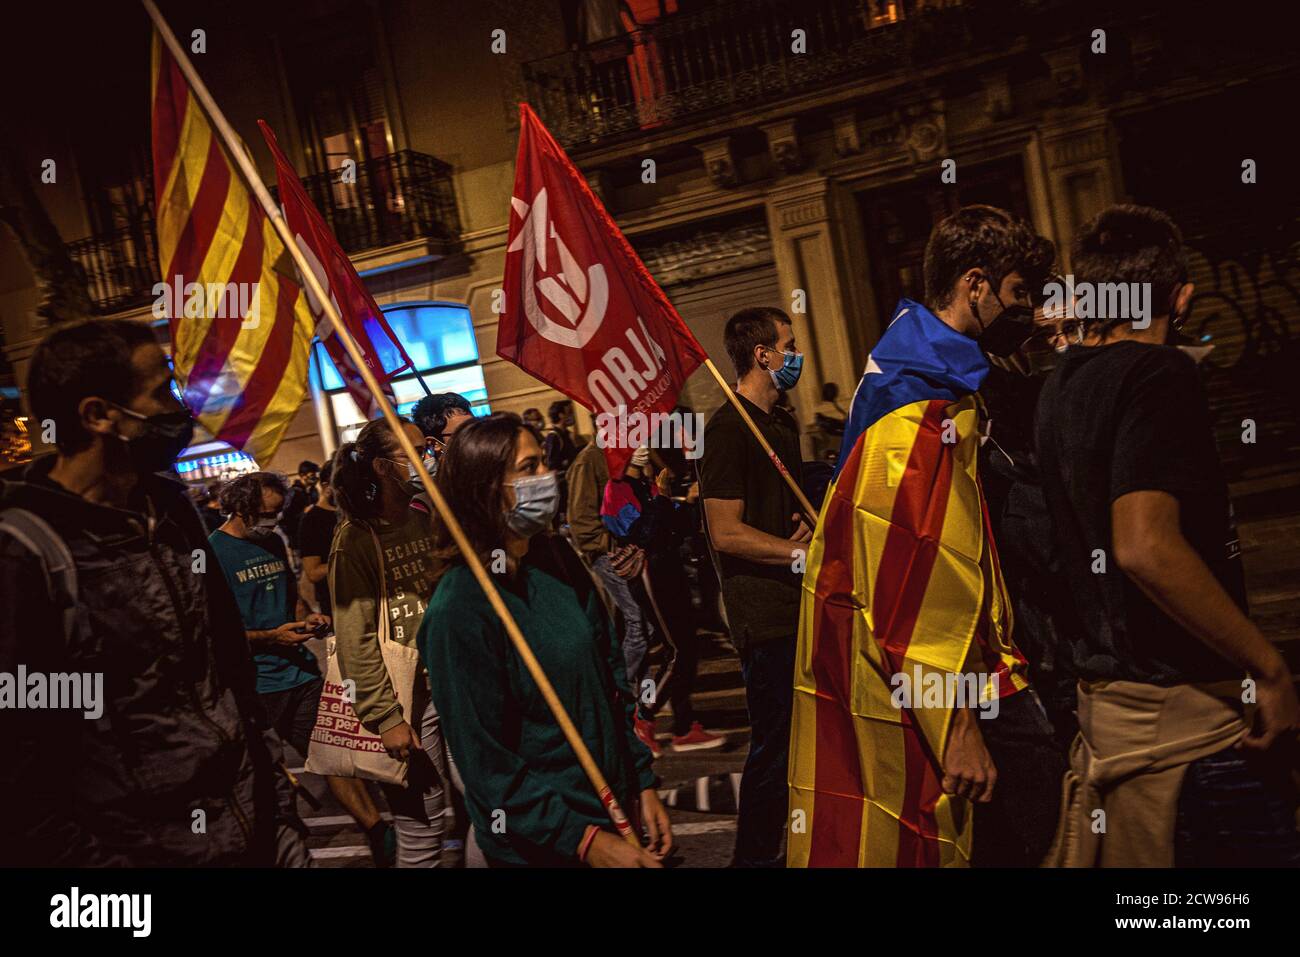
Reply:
x=302, y=496
x=757, y=532
x=315, y=534
x=1143, y=524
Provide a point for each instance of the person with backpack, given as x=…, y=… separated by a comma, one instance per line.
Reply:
x=118, y=582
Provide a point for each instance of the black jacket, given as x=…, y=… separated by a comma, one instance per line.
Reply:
x=180, y=729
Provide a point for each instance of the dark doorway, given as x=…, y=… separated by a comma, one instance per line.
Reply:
x=897, y=220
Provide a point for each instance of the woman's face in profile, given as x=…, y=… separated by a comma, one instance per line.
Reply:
x=527, y=463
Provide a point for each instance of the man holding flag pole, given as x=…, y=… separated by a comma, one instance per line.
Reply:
x=760, y=537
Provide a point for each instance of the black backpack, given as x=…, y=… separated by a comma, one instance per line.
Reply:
x=55, y=558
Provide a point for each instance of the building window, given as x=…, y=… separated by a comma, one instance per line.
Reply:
x=439, y=338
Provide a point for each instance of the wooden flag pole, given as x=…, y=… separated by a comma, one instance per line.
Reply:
x=808, y=510
x=254, y=182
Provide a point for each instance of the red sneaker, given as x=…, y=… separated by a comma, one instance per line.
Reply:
x=697, y=739
x=645, y=730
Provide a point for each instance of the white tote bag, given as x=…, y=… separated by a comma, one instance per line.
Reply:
x=340, y=744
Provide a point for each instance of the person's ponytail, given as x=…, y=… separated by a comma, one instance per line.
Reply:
x=356, y=485
x=351, y=482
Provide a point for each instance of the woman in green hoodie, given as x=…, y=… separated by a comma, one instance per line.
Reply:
x=527, y=796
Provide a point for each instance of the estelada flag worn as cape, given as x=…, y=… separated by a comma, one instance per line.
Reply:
x=902, y=578
x=379, y=345
x=582, y=313
x=240, y=355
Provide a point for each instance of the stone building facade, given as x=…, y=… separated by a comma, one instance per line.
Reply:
x=794, y=154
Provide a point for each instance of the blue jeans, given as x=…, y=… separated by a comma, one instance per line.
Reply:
x=636, y=637
x=1233, y=813
x=768, y=670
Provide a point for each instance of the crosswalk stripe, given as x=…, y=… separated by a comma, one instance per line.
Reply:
x=333, y=820
x=697, y=696
x=323, y=853
x=703, y=827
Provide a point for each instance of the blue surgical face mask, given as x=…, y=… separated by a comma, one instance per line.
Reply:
x=537, y=499
x=785, y=377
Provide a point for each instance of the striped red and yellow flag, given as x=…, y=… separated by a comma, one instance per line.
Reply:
x=240, y=325
x=901, y=579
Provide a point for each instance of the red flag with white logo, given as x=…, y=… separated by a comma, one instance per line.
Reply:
x=356, y=307
x=582, y=313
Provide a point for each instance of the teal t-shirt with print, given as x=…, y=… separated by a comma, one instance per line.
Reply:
x=258, y=573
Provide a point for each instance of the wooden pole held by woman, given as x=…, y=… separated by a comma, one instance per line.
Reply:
x=254, y=182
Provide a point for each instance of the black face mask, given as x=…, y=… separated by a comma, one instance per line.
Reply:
x=1007, y=331
x=163, y=438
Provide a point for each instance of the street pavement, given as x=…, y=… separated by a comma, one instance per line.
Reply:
x=700, y=787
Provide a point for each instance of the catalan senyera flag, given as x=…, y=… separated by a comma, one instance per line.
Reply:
x=902, y=578
x=244, y=375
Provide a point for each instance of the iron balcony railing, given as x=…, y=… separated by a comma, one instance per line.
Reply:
x=121, y=267
x=395, y=198
x=742, y=52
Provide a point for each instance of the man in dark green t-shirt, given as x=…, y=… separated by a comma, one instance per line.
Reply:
x=254, y=560
x=289, y=682
x=759, y=536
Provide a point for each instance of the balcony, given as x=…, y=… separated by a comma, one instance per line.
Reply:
x=739, y=53
x=397, y=198
x=121, y=267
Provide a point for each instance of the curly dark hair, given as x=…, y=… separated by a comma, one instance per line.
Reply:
x=431, y=413
x=980, y=237
x=471, y=477
x=242, y=496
